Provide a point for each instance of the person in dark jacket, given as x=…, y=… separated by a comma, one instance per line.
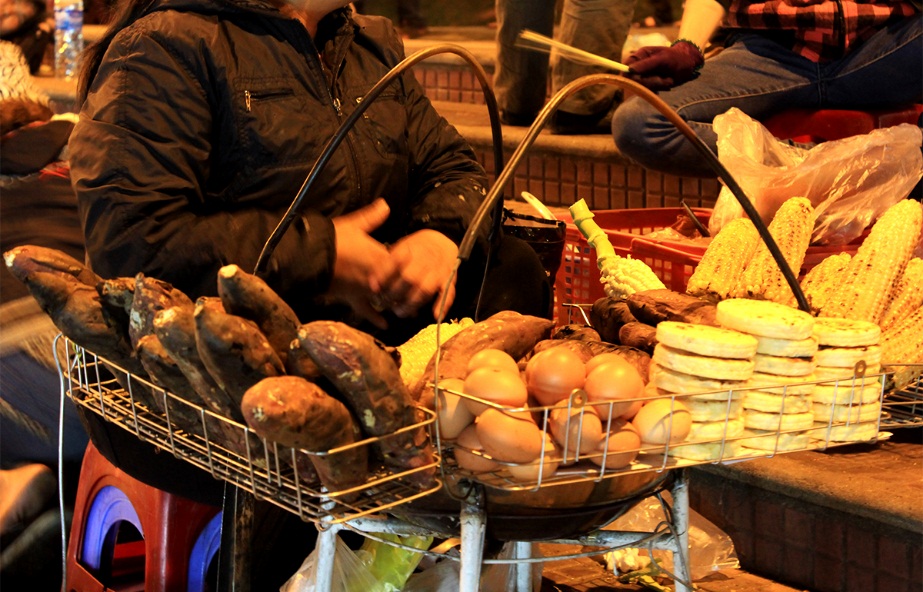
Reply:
x=200, y=121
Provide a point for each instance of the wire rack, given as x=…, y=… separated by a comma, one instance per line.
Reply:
x=903, y=407
x=722, y=442
x=231, y=451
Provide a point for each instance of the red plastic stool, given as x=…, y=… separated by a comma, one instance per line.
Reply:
x=807, y=125
x=180, y=536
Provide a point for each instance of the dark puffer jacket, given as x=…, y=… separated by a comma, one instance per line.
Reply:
x=204, y=119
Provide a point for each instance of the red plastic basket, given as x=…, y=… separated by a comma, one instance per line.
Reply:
x=577, y=281
x=672, y=261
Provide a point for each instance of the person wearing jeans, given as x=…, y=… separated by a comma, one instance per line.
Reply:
x=870, y=56
x=521, y=75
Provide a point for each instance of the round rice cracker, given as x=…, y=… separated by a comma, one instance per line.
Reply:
x=759, y=420
x=711, y=410
x=786, y=348
x=705, y=366
x=697, y=387
x=848, y=357
x=845, y=332
x=764, y=318
x=822, y=373
x=776, y=403
x=706, y=451
x=706, y=340
x=782, y=385
x=849, y=413
x=714, y=431
x=845, y=394
x=773, y=441
x=782, y=366
x=853, y=432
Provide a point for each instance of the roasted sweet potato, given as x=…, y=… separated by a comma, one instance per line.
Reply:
x=116, y=295
x=75, y=309
x=608, y=315
x=175, y=329
x=234, y=350
x=27, y=259
x=150, y=297
x=654, y=306
x=166, y=373
x=514, y=333
x=299, y=363
x=369, y=380
x=576, y=332
x=246, y=295
x=639, y=335
x=299, y=414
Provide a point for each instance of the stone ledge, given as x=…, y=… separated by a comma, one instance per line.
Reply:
x=880, y=482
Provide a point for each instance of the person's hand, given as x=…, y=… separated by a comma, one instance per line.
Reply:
x=662, y=68
x=360, y=257
x=422, y=264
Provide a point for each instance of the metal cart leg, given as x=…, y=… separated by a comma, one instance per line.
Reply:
x=236, y=533
x=523, y=550
x=326, y=555
x=680, y=493
x=473, y=527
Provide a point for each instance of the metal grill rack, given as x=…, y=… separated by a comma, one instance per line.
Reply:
x=270, y=472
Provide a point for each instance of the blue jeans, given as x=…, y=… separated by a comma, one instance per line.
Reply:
x=761, y=78
x=521, y=75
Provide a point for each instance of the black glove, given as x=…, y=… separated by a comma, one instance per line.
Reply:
x=662, y=68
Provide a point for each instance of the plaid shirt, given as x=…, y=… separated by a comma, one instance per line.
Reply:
x=823, y=29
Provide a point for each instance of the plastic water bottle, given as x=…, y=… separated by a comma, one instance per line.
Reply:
x=68, y=36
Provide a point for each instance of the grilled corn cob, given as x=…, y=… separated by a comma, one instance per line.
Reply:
x=880, y=261
x=903, y=344
x=417, y=351
x=823, y=279
x=907, y=295
x=621, y=276
x=724, y=260
x=791, y=227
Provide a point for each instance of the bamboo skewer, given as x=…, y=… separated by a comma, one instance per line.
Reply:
x=569, y=52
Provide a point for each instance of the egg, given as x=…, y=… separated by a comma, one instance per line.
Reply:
x=499, y=386
x=451, y=412
x=577, y=429
x=492, y=358
x=621, y=446
x=509, y=438
x=615, y=382
x=529, y=472
x=468, y=439
x=663, y=420
x=602, y=358
x=552, y=374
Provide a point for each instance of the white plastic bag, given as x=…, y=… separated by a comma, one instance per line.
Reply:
x=850, y=182
x=350, y=574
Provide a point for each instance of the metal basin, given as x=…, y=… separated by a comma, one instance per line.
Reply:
x=551, y=512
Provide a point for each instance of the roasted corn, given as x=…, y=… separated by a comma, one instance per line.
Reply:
x=907, y=295
x=903, y=344
x=823, y=279
x=762, y=278
x=417, y=351
x=876, y=267
x=724, y=260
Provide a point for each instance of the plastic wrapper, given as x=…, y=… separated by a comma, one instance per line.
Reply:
x=850, y=181
x=710, y=548
x=376, y=567
x=443, y=576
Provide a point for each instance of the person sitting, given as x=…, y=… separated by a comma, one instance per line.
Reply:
x=776, y=55
x=198, y=124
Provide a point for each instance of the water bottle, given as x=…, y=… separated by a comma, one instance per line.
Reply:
x=68, y=36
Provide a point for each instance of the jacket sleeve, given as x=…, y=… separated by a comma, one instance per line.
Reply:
x=449, y=181
x=141, y=161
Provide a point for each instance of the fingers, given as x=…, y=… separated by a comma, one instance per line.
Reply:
x=367, y=218
x=440, y=308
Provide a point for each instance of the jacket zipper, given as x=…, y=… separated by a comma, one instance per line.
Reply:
x=249, y=97
x=337, y=106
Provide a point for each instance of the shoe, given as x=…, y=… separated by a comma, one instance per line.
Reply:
x=516, y=119
x=563, y=123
